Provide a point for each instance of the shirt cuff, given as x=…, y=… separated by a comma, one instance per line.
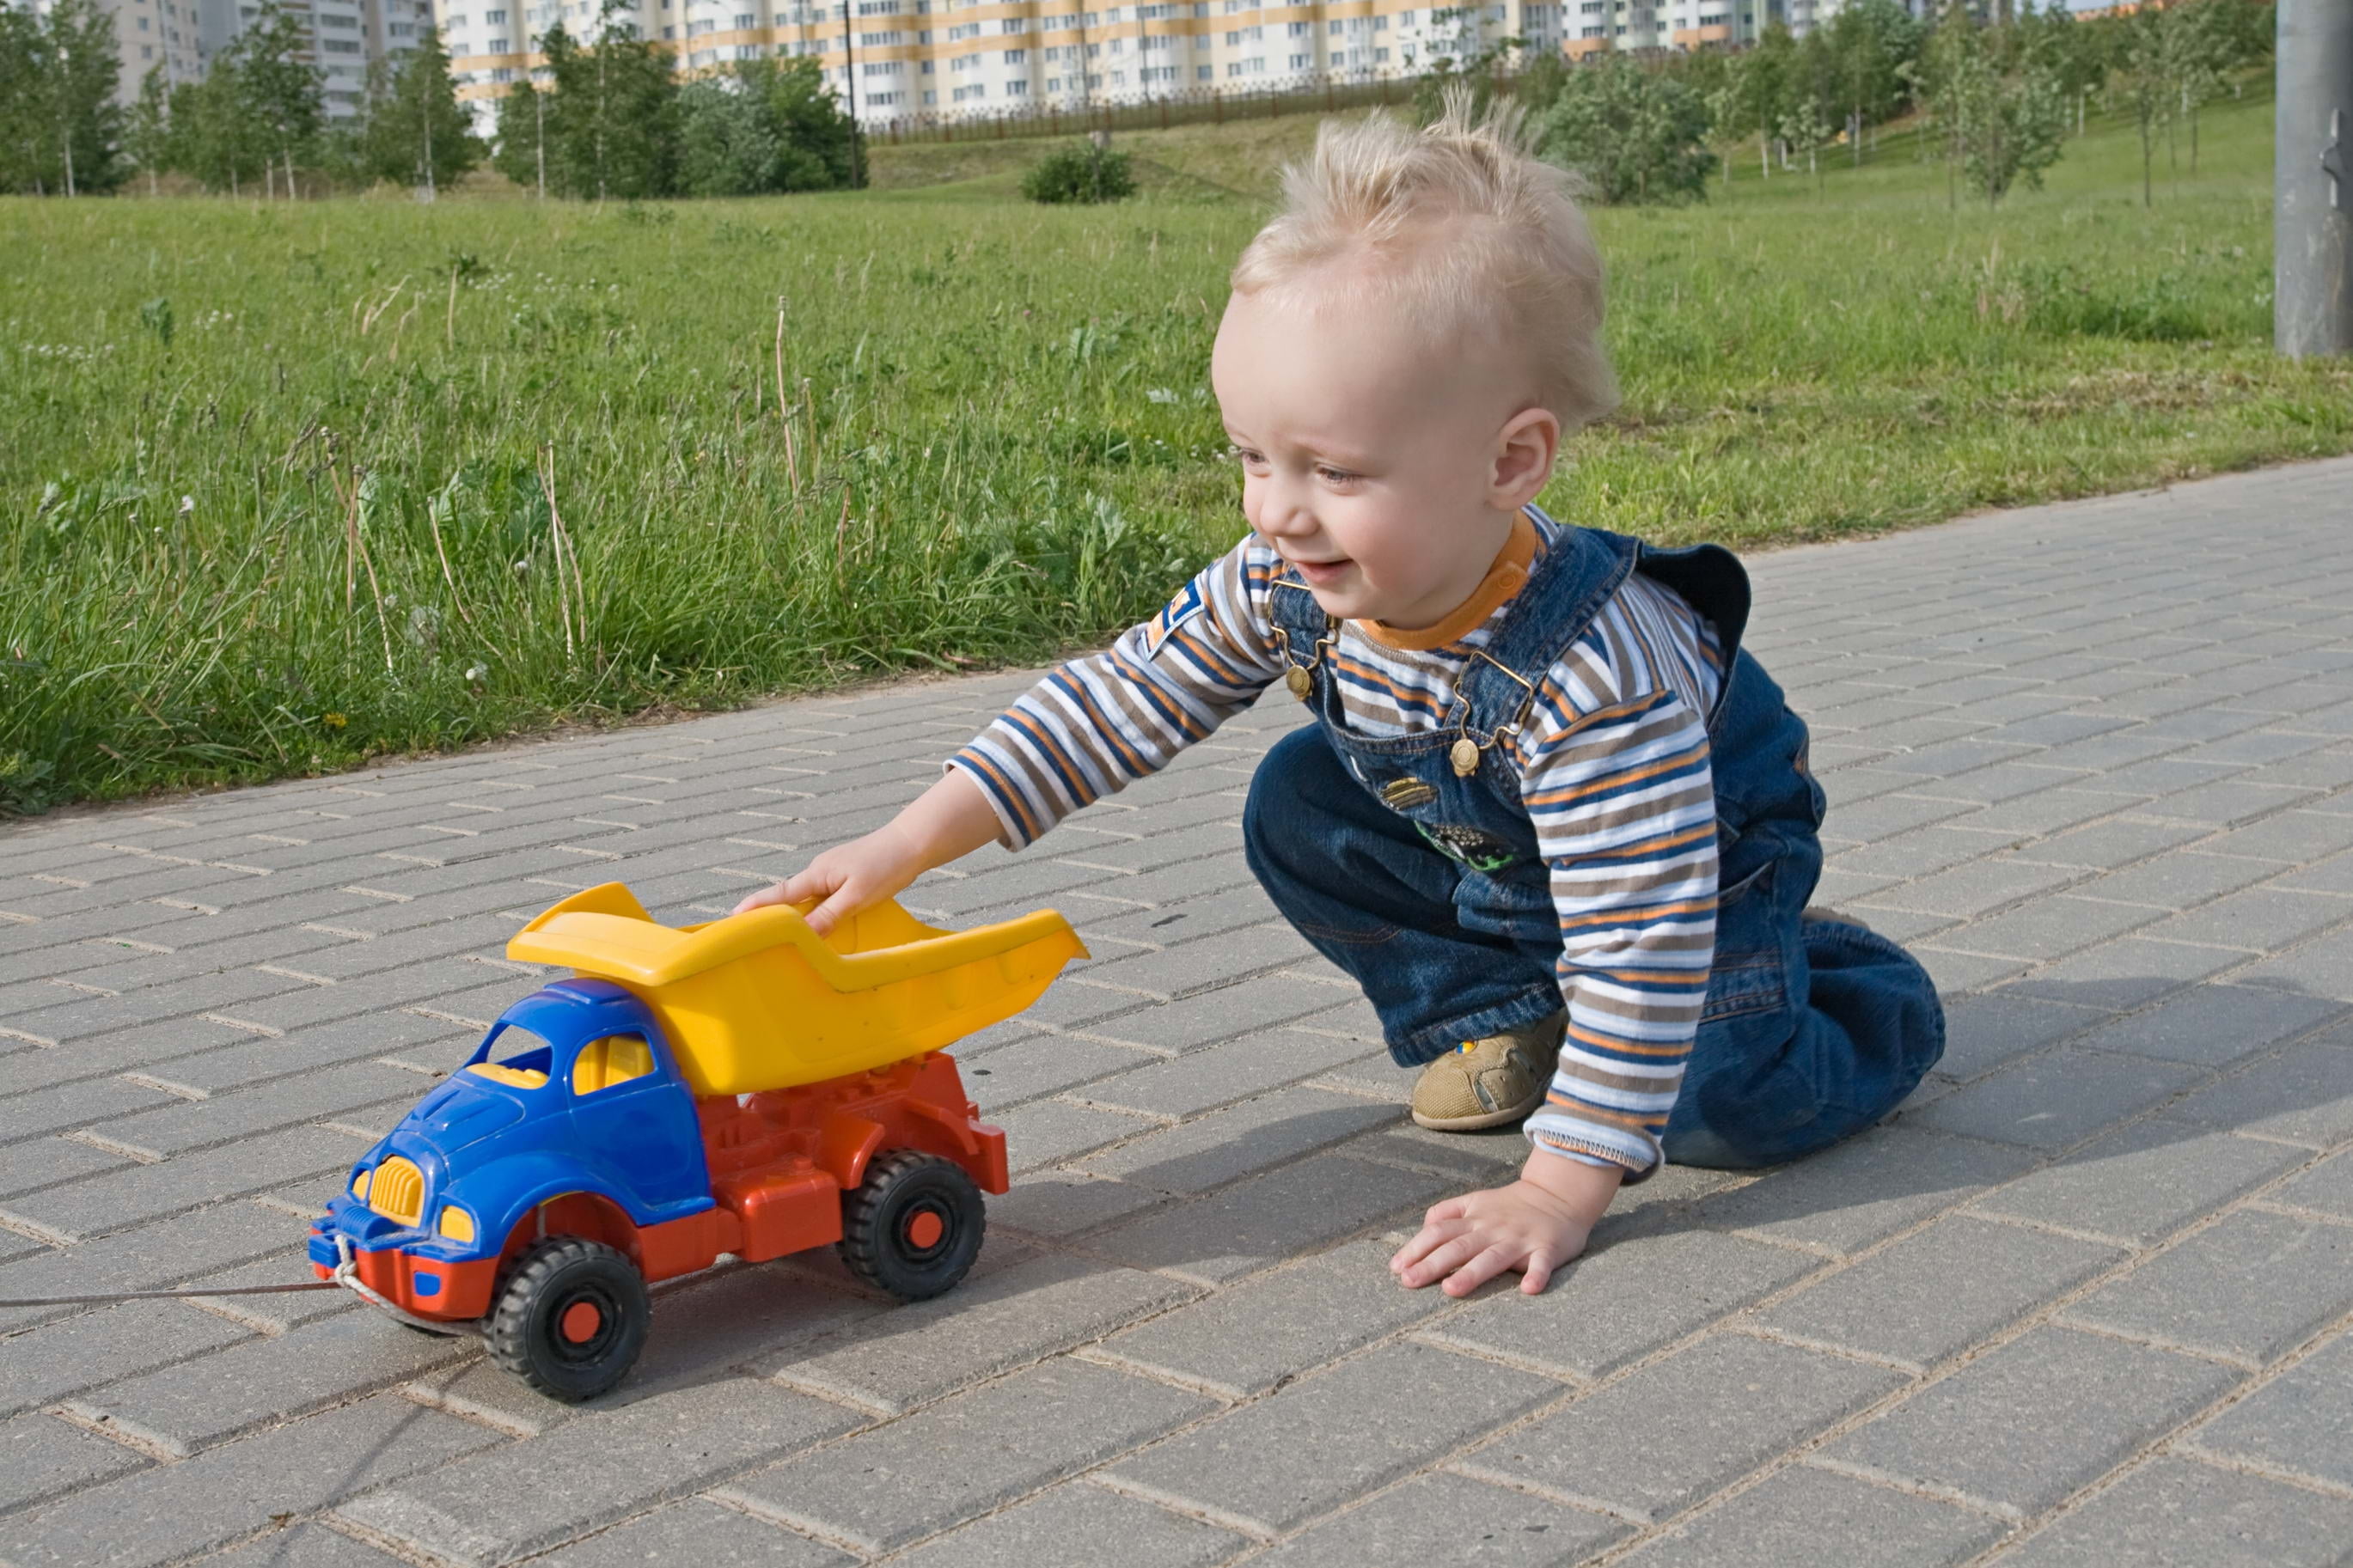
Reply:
x=1586, y=1155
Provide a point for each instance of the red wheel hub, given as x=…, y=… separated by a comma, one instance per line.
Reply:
x=924, y=1228
x=580, y=1322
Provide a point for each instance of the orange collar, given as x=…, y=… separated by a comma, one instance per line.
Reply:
x=1503, y=580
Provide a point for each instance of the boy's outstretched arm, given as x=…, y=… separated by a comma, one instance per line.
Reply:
x=946, y=822
x=1536, y=1225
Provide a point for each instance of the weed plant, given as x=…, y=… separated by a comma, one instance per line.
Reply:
x=289, y=486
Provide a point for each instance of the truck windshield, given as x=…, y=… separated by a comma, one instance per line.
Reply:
x=518, y=1059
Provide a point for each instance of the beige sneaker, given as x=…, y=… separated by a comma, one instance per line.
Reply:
x=1488, y=1082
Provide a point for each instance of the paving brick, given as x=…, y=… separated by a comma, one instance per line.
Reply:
x=2051, y=1101
x=274, y=1314
x=97, y=1205
x=2252, y=1287
x=2129, y=972
x=587, y=1474
x=971, y=1453
x=257, y=1059
x=1315, y=1443
x=147, y=1259
x=1447, y=1517
x=1075, y=1525
x=2047, y=927
x=1065, y=1203
x=173, y=1512
x=1075, y=1003
x=2214, y=1024
x=45, y=1162
x=2326, y=1188
x=197, y=1402
x=1247, y=1009
x=912, y=1355
x=2301, y=1422
x=1861, y=1190
x=2323, y=968
x=1652, y=1443
x=1935, y=1294
x=2025, y=1425
x=1254, y=1222
x=1973, y=887
x=2295, y=837
x=22, y=1072
x=2177, y=1510
x=1955, y=974
x=1623, y=1301
x=1047, y=1132
x=1041, y=1064
x=2118, y=842
x=2178, y=881
x=696, y=1534
x=94, y=1348
x=1206, y=965
x=1983, y=1032
x=1211, y=1150
x=2259, y=920
x=2142, y=1182
x=302, y=1546
x=42, y=1457
x=2300, y=1093
x=1245, y=1340
x=1219, y=1075
x=173, y=1129
x=1802, y=1517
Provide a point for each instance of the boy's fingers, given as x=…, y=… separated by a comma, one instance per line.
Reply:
x=1428, y=1237
x=1443, y=1260
x=1538, y=1275
x=1478, y=1270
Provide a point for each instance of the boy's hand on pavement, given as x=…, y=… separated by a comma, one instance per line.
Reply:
x=1536, y=1225
x=848, y=877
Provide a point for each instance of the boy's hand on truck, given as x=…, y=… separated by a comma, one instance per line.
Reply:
x=947, y=821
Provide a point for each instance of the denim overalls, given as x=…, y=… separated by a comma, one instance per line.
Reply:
x=1425, y=882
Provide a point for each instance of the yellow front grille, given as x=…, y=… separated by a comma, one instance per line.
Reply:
x=398, y=1191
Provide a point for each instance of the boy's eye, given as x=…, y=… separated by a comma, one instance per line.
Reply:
x=1337, y=476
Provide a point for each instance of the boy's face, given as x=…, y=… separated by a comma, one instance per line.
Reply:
x=1368, y=460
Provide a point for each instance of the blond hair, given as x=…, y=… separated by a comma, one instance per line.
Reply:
x=1467, y=232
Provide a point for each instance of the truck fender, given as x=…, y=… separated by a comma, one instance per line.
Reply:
x=845, y=1145
x=523, y=1183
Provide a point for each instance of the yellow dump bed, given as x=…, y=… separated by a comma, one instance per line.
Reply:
x=758, y=1001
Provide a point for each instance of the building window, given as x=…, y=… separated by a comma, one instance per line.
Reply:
x=1296, y=30
x=1380, y=57
x=1013, y=25
x=1301, y=62
x=1017, y=57
x=1017, y=89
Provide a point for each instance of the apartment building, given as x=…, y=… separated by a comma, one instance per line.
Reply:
x=892, y=59
x=342, y=39
x=149, y=33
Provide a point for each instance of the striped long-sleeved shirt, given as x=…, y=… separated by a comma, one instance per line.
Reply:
x=1613, y=767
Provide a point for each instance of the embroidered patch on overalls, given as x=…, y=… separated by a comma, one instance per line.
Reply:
x=1479, y=851
x=1178, y=610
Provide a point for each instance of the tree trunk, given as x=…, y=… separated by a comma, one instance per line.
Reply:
x=2147, y=159
x=67, y=143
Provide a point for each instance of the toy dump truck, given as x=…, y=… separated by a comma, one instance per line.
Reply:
x=743, y=1086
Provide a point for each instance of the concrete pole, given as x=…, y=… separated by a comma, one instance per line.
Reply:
x=2312, y=217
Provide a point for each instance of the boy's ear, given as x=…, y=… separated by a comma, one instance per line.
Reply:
x=1525, y=451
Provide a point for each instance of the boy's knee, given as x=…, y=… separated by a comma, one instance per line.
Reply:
x=1297, y=772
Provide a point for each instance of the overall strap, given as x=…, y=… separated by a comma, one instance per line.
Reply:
x=1567, y=588
x=1303, y=634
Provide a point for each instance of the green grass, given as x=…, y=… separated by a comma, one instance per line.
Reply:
x=1007, y=445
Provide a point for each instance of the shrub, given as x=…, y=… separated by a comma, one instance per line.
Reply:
x=1078, y=174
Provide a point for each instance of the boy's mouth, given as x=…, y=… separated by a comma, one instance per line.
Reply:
x=1323, y=573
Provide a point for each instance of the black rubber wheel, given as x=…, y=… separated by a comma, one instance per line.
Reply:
x=913, y=1225
x=570, y=1319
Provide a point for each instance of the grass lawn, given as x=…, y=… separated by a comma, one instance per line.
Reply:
x=276, y=495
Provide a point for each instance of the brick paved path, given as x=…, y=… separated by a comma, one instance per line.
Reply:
x=2083, y=1300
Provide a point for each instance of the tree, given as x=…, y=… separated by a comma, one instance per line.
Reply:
x=60, y=129
x=147, y=133
x=211, y=135
x=759, y=128
x=610, y=129
x=282, y=94
x=1871, y=42
x=1637, y=136
x=517, y=140
x=2138, y=83
x=2002, y=113
x=2070, y=51
x=1806, y=128
x=1768, y=77
x=416, y=132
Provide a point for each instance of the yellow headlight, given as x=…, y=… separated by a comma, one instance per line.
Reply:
x=456, y=1222
x=360, y=1185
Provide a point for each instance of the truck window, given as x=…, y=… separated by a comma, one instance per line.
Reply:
x=523, y=1059
x=615, y=1060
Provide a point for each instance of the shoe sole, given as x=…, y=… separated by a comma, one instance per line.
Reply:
x=1480, y=1122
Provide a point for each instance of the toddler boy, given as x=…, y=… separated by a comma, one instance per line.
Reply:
x=1549, y=815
